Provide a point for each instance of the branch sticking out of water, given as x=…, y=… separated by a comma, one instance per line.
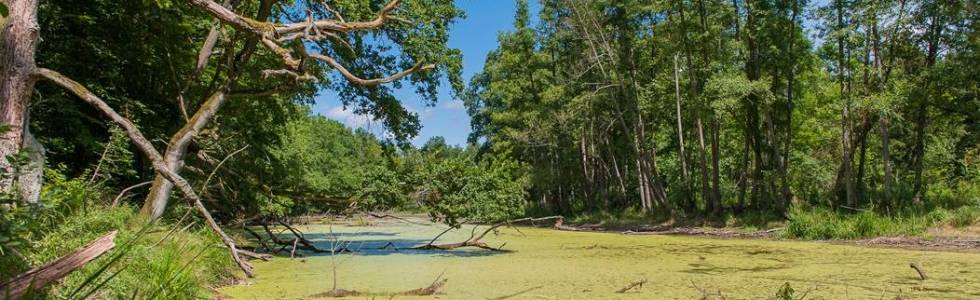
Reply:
x=476, y=240
x=636, y=284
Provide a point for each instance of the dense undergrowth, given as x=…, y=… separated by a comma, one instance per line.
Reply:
x=822, y=223
x=810, y=223
x=166, y=260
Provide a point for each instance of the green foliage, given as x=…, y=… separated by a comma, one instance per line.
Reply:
x=459, y=189
x=383, y=188
x=154, y=265
x=785, y=292
x=169, y=264
x=716, y=108
x=321, y=164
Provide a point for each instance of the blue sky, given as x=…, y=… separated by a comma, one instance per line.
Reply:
x=476, y=35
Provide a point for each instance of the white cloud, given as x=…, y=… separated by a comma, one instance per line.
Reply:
x=454, y=104
x=349, y=118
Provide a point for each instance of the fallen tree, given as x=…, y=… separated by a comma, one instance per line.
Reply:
x=40, y=277
x=476, y=240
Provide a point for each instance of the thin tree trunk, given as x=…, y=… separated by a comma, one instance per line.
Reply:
x=845, y=176
x=680, y=131
x=715, y=176
x=886, y=157
x=705, y=183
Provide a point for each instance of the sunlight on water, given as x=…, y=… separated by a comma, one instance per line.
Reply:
x=549, y=264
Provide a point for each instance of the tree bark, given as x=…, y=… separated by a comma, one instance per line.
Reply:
x=156, y=201
x=682, y=156
x=19, y=43
x=705, y=182
x=39, y=277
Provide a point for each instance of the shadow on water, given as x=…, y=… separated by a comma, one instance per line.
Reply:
x=382, y=246
x=342, y=235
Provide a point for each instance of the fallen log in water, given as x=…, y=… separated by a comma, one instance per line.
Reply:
x=40, y=277
x=476, y=240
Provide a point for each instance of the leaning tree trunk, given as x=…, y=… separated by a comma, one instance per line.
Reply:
x=156, y=201
x=19, y=42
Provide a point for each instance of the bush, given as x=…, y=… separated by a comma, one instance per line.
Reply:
x=963, y=216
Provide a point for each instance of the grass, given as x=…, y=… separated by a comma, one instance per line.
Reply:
x=166, y=263
x=804, y=223
x=825, y=224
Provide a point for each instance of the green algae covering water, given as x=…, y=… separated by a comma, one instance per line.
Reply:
x=550, y=264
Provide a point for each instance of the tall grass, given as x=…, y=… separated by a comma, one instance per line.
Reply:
x=167, y=260
x=166, y=263
x=823, y=224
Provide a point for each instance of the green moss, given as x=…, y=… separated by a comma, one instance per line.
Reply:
x=549, y=264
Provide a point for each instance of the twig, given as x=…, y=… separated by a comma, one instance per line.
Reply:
x=115, y=201
x=922, y=272
x=636, y=284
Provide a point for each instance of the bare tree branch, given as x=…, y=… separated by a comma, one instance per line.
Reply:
x=369, y=82
x=115, y=201
x=310, y=29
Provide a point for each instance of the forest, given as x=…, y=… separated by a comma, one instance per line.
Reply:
x=172, y=149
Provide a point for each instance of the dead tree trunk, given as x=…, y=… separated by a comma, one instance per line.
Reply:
x=40, y=277
x=156, y=201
